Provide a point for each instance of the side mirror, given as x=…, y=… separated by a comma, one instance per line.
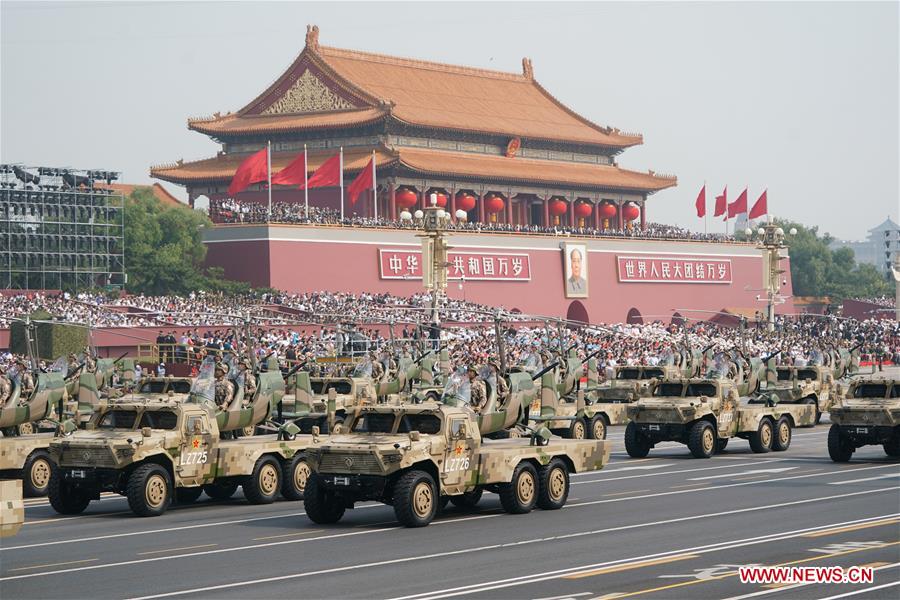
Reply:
x=414, y=436
x=145, y=431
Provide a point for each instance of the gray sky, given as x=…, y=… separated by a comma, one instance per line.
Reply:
x=801, y=98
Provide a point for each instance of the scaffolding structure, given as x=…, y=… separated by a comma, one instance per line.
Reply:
x=60, y=229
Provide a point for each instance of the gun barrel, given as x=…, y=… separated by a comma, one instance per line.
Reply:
x=540, y=373
x=771, y=356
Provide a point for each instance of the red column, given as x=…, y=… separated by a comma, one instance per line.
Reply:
x=451, y=204
x=643, y=217
x=546, y=212
x=509, y=211
x=392, y=202
x=572, y=213
x=620, y=222
x=597, y=216
x=481, y=207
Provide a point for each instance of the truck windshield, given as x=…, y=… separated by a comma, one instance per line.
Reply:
x=810, y=374
x=159, y=419
x=118, y=419
x=701, y=389
x=153, y=387
x=872, y=390
x=652, y=373
x=422, y=423
x=628, y=374
x=784, y=374
x=373, y=423
x=668, y=389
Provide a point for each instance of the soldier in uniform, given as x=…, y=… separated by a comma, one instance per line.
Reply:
x=73, y=362
x=90, y=365
x=25, y=380
x=478, y=390
x=224, y=388
x=5, y=386
x=249, y=379
x=502, y=386
x=377, y=367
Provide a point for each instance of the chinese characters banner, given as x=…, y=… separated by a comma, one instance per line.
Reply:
x=473, y=266
x=676, y=269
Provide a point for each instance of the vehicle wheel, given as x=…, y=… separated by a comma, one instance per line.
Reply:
x=294, y=474
x=149, y=490
x=781, y=440
x=469, y=499
x=220, y=491
x=577, y=430
x=36, y=474
x=65, y=498
x=26, y=429
x=248, y=431
x=702, y=439
x=839, y=448
x=264, y=483
x=721, y=444
x=415, y=499
x=554, y=485
x=520, y=495
x=892, y=446
x=636, y=444
x=187, y=495
x=761, y=439
x=597, y=428
x=320, y=505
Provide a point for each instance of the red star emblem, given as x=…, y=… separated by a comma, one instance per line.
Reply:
x=459, y=450
x=196, y=443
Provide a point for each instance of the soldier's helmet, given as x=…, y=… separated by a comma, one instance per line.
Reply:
x=222, y=367
x=245, y=362
x=2, y=368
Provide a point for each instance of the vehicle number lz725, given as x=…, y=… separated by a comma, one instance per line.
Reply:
x=194, y=458
x=457, y=464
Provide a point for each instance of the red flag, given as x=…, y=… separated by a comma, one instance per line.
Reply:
x=739, y=206
x=253, y=170
x=701, y=202
x=722, y=204
x=363, y=181
x=761, y=207
x=293, y=174
x=327, y=175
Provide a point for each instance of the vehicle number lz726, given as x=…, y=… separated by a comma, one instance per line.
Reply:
x=194, y=458
x=457, y=464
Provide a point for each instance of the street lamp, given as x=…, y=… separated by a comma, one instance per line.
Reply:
x=770, y=241
x=434, y=221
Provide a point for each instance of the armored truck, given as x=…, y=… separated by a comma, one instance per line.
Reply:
x=868, y=415
x=704, y=414
x=802, y=385
x=154, y=450
x=417, y=457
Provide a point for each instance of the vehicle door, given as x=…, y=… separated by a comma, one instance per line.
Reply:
x=458, y=455
x=195, y=463
x=728, y=415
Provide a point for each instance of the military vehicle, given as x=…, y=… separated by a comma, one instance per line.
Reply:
x=12, y=508
x=868, y=415
x=417, y=457
x=704, y=413
x=24, y=455
x=812, y=384
x=154, y=450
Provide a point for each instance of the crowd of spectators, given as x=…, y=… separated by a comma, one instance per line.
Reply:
x=232, y=211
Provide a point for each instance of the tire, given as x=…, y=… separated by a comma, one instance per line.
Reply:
x=248, y=431
x=520, y=495
x=295, y=474
x=702, y=439
x=892, y=446
x=577, y=430
x=469, y=499
x=839, y=448
x=761, y=439
x=320, y=505
x=187, y=495
x=415, y=499
x=27, y=429
x=264, y=483
x=636, y=444
x=554, y=485
x=721, y=444
x=597, y=428
x=781, y=438
x=149, y=490
x=36, y=474
x=220, y=491
x=64, y=498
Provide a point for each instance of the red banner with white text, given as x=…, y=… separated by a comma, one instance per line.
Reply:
x=674, y=269
x=472, y=266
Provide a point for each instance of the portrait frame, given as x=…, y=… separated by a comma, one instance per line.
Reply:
x=575, y=287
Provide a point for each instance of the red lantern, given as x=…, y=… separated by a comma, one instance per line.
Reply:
x=607, y=210
x=630, y=212
x=494, y=204
x=406, y=198
x=583, y=210
x=558, y=207
x=441, y=199
x=464, y=201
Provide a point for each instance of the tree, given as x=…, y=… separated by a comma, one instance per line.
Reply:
x=164, y=249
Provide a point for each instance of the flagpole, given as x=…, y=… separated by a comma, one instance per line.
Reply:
x=705, y=216
x=342, y=185
x=374, y=189
x=305, y=182
x=269, y=169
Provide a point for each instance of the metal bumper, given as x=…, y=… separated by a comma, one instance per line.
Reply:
x=662, y=432
x=862, y=435
x=358, y=487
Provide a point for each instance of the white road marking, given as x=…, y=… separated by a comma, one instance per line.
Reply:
x=805, y=583
x=642, y=475
x=865, y=590
x=566, y=596
x=742, y=473
x=644, y=467
x=888, y=476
